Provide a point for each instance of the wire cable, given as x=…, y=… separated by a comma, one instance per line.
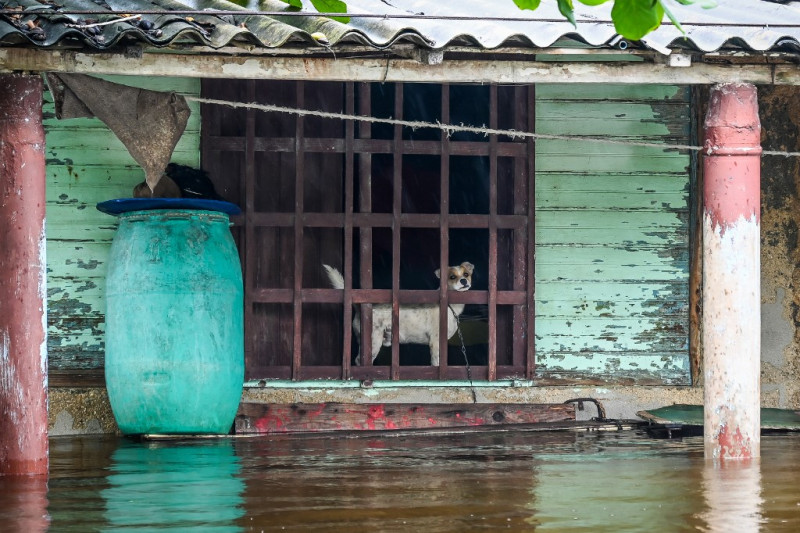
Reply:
x=450, y=129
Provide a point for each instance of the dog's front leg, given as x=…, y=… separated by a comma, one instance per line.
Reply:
x=378, y=337
x=433, y=343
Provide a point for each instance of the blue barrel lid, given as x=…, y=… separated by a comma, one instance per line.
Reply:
x=126, y=205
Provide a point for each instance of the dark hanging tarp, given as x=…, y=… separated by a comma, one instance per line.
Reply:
x=149, y=123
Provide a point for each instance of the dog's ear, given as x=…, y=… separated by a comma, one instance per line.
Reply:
x=438, y=274
x=469, y=267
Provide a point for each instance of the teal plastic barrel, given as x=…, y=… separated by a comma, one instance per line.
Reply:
x=174, y=323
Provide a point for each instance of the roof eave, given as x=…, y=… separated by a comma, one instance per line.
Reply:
x=458, y=65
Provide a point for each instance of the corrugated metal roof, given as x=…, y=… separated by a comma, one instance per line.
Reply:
x=757, y=25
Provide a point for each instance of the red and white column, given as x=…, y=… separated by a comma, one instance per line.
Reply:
x=23, y=347
x=732, y=273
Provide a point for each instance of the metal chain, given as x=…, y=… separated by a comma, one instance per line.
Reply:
x=464, y=352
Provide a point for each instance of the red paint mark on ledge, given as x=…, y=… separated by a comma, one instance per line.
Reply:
x=315, y=418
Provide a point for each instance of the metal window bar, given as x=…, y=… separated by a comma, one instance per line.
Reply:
x=297, y=339
x=365, y=240
x=521, y=224
x=491, y=371
x=530, y=324
x=444, y=232
x=523, y=236
x=249, y=229
x=349, y=172
x=397, y=203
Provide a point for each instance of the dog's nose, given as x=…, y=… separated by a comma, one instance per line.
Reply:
x=464, y=282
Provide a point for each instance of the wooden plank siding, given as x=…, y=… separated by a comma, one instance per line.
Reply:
x=612, y=235
x=86, y=164
x=611, y=230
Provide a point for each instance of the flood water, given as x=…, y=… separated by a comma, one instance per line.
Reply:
x=608, y=481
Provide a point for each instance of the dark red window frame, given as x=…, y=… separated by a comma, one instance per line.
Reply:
x=312, y=189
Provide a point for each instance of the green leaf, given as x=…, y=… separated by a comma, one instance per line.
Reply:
x=332, y=6
x=294, y=3
x=633, y=19
x=592, y=2
x=565, y=7
x=672, y=17
x=527, y=4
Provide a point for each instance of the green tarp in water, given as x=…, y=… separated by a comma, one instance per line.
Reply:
x=692, y=415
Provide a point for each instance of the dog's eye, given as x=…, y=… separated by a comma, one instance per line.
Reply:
x=453, y=276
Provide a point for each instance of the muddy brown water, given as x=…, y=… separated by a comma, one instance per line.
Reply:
x=564, y=481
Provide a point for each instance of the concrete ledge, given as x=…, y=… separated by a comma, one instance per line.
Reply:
x=84, y=411
x=619, y=402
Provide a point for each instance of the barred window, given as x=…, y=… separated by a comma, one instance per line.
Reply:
x=387, y=206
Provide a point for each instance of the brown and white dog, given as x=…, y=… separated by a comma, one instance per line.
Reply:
x=419, y=324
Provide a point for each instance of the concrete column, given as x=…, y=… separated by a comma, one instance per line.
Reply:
x=732, y=273
x=23, y=347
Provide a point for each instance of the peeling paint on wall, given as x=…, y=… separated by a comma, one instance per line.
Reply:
x=731, y=334
x=612, y=236
x=87, y=164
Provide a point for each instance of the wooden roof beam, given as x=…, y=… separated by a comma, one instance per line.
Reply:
x=153, y=63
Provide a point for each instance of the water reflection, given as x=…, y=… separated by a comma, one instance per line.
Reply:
x=161, y=486
x=618, y=481
x=614, y=485
x=23, y=504
x=733, y=495
x=389, y=483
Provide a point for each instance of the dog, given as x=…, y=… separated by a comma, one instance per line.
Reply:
x=419, y=324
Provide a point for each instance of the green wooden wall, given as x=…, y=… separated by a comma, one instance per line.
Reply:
x=87, y=164
x=611, y=231
x=612, y=234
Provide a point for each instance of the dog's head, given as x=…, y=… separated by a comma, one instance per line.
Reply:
x=459, y=278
